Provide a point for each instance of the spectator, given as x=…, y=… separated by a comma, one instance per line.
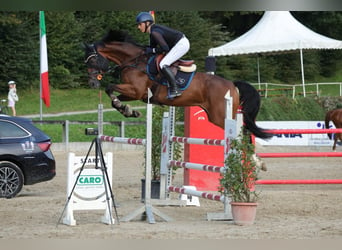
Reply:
x=12, y=96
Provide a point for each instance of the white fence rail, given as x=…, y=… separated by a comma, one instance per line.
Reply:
x=273, y=89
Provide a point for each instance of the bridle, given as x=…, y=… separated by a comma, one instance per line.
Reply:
x=96, y=71
x=102, y=65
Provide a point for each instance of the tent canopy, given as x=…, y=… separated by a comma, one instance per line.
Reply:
x=277, y=31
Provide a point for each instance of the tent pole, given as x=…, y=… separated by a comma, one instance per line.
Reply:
x=302, y=69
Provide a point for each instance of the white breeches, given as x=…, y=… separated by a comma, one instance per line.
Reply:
x=179, y=50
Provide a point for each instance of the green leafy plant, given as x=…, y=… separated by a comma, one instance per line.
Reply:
x=241, y=171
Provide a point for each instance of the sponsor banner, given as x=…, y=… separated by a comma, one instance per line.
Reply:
x=295, y=139
x=88, y=190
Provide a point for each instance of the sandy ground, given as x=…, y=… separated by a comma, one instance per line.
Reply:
x=284, y=212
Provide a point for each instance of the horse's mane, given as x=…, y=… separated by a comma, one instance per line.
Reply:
x=118, y=36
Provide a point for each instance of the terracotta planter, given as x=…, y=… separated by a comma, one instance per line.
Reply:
x=243, y=213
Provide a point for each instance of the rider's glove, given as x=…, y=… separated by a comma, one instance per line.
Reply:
x=150, y=50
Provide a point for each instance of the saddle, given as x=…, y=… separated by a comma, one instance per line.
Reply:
x=182, y=65
x=183, y=70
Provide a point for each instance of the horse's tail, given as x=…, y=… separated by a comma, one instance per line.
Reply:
x=250, y=101
x=327, y=120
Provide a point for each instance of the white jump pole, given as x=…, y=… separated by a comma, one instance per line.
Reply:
x=232, y=128
x=148, y=209
x=230, y=132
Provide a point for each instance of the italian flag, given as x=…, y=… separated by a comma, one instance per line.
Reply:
x=44, y=75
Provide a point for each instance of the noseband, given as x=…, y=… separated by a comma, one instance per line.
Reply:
x=99, y=64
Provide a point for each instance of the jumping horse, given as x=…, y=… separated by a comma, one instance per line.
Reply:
x=336, y=117
x=131, y=63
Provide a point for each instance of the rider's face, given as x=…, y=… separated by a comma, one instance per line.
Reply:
x=142, y=27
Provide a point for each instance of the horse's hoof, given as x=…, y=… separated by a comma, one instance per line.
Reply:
x=263, y=166
x=127, y=111
x=136, y=113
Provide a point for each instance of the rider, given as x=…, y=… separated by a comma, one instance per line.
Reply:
x=164, y=40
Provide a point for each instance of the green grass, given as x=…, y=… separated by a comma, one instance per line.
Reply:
x=77, y=100
x=65, y=100
x=276, y=109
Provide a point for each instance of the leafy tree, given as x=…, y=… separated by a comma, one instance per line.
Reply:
x=19, y=49
x=200, y=32
x=65, y=54
x=67, y=30
x=327, y=23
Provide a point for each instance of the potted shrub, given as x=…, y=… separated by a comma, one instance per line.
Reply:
x=238, y=181
x=157, y=128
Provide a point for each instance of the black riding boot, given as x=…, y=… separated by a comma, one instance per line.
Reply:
x=174, y=90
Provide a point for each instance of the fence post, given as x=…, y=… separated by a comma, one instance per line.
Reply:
x=100, y=118
x=122, y=128
x=293, y=92
x=65, y=134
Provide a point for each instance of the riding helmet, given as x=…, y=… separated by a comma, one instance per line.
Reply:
x=144, y=17
x=11, y=82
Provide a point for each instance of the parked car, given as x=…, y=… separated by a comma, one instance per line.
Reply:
x=25, y=155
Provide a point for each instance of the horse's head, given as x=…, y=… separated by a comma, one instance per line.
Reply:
x=116, y=46
x=96, y=64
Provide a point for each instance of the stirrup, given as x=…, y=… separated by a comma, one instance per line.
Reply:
x=174, y=93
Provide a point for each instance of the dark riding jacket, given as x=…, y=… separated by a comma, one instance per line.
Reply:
x=163, y=38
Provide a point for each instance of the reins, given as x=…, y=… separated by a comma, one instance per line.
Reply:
x=103, y=66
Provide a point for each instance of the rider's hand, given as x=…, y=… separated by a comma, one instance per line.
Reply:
x=150, y=50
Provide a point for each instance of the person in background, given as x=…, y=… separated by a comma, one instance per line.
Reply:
x=12, y=96
x=164, y=40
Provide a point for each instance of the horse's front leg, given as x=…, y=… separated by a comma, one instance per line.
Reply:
x=124, y=109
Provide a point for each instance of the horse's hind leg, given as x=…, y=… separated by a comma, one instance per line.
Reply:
x=338, y=137
x=124, y=109
x=335, y=141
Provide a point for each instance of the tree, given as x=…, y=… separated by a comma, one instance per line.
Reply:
x=65, y=53
x=19, y=58
x=201, y=32
x=67, y=30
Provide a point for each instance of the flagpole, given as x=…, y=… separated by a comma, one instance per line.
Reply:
x=44, y=72
x=40, y=75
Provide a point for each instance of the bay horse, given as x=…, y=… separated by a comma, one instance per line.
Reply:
x=336, y=117
x=205, y=90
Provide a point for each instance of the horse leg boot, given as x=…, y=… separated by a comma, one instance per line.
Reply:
x=174, y=90
x=124, y=109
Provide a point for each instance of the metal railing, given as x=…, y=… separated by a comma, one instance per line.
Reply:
x=66, y=125
x=273, y=89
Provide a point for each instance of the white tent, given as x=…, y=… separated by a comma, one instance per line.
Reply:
x=277, y=31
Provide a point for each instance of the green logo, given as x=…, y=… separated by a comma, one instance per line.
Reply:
x=90, y=180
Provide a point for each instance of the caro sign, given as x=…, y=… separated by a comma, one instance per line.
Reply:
x=89, y=186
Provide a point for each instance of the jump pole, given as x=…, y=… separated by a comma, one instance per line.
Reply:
x=300, y=154
x=147, y=209
x=304, y=131
x=298, y=182
x=231, y=131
